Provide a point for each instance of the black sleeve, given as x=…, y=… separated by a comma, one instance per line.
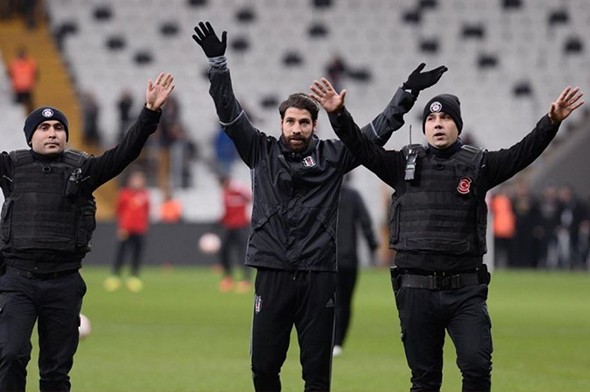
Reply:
x=248, y=140
x=98, y=170
x=386, y=164
x=499, y=166
x=391, y=118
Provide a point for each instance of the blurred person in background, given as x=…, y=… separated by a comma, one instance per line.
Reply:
x=91, y=120
x=48, y=218
x=133, y=219
x=353, y=218
x=235, y=224
x=24, y=74
x=170, y=209
x=503, y=227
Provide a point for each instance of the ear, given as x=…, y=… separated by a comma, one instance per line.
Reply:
x=315, y=125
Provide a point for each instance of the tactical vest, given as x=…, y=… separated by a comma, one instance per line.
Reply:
x=440, y=210
x=45, y=210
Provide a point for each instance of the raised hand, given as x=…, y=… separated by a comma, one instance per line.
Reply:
x=569, y=100
x=205, y=36
x=418, y=80
x=157, y=93
x=324, y=94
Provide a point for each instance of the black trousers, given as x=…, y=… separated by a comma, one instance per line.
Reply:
x=55, y=305
x=426, y=314
x=345, y=283
x=134, y=242
x=233, y=247
x=283, y=299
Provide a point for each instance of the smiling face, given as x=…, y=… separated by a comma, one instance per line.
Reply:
x=297, y=127
x=49, y=138
x=440, y=129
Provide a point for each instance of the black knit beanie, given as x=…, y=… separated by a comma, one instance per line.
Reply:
x=446, y=103
x=40, y=115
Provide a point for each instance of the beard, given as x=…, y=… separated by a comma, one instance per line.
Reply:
x=296, y=143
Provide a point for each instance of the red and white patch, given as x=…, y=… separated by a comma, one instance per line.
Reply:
x=464, y=186
x=308, y=161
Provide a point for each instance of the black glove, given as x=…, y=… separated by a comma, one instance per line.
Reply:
x=418, y=81
x=206, y=37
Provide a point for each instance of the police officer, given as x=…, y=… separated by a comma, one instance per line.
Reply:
x=47, y=222
x=438, y=226
x=292, y=243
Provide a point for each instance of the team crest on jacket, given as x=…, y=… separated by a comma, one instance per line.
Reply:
x=464, y=186
x=308, y=161
x=257, y=304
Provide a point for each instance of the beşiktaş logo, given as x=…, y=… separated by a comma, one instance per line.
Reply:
x=308, y=161
x=257, y=304
x=47, y=113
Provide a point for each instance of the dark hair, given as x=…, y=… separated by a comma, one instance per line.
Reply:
x=300, y=101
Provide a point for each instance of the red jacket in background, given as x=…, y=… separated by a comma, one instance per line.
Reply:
x=133, y=210
x=236, y=201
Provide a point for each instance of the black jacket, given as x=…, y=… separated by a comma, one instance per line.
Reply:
x=496, y=167
x=295, y=195
x=95, y=171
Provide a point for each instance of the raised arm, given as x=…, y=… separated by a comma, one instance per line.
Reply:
x=505, y=163
x=391, y=119
x=368, y=153
x=232, y=117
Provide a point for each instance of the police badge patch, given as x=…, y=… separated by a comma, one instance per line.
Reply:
x=435, y=107
x=47, y=113
x=464, y=186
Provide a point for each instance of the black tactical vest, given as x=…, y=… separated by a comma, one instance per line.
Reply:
x=440, y=211
x=45, y=210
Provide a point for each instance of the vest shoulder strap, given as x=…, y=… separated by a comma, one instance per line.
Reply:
x=75, y=158
x=470, y=156
x=71, y=157
x=21, y=157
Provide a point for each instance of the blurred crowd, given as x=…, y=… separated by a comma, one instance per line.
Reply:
x=545, y=229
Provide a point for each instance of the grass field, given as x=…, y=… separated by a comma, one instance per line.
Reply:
x=181, y=334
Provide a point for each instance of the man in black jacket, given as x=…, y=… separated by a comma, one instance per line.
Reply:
x=292, y=243
x=438, y=225
x=48, y=218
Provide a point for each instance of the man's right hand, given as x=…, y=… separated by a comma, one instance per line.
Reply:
x=205, y=36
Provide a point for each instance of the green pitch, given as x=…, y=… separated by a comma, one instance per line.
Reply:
x=180, y=334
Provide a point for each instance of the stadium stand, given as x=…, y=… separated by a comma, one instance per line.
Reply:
x=507, y=59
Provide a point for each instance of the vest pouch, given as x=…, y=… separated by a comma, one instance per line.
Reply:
x=86, y=225
x=394, y=213
x=438, y=245
x=6, y=220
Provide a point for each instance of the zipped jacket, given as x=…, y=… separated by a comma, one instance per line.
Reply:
x=295, y=195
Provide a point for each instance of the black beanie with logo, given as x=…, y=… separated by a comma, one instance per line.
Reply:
x=445, y=103
x=40, y=115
